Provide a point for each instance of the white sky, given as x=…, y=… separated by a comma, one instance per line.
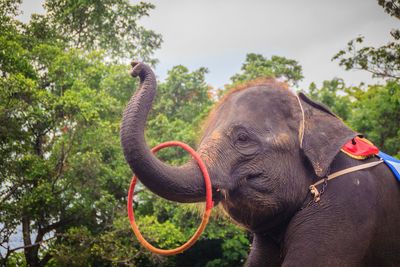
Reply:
x=218, y=34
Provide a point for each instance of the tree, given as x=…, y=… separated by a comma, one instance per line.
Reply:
x=384, y=61
x=376, y=107
x=61, y=160
x=392, y=7
x=376, y=113
x=61, y=167
x=108, y=25
x=256, y=65
x=332, y=93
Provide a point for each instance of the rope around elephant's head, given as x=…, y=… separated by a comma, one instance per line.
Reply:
x=301, y=127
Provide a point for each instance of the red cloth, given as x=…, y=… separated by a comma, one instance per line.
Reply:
x=361, y=148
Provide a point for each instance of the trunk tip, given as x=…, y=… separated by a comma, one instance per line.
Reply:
x=142, y=70
x=134, y=63
x=137, y=68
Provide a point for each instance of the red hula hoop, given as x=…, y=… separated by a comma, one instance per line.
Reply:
x=209, y=203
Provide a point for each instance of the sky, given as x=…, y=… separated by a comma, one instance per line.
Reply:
x=217, y=34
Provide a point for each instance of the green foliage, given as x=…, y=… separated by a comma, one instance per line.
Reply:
x=74, y=248
x=61, y=167
x=382, y=62
x=332, y=94
x=234, y=248
x=376, y=113
x=109, y=25
x=60, y=146
x=16, y=260
x=375, y=108
x=392, y=7
x=8, y=10
x=256, y=65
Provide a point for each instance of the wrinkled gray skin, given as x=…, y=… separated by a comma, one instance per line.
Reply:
x=260, y=175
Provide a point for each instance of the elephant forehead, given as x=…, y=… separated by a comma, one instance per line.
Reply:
x=259, y=103
x=262, y=106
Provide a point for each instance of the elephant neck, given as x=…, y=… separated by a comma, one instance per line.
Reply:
x=275, y=234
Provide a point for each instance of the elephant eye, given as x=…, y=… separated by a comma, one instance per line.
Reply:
x=246, y=144
x=243, y=137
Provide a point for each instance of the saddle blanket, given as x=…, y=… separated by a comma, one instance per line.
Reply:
x=393, y=163
x=361, y=148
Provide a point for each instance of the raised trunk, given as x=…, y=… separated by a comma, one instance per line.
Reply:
x=182, y=184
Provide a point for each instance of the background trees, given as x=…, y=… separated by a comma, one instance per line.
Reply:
x=376, y=113
x=256, y=65
x=61, y=167
x=375, y=108
x=110, y=26
x=384, y=61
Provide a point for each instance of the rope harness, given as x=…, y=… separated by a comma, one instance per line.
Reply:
x=206, y=215
x=313, y=190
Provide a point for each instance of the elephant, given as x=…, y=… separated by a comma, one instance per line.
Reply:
x=264, y=146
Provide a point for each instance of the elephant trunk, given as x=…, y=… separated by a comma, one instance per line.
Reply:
x=181, y=184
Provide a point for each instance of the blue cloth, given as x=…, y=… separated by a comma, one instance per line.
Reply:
x=393, y=163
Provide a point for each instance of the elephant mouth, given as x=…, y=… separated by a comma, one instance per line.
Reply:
x=223, y=190
x=229, y=189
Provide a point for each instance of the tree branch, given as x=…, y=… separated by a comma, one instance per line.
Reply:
x=36, y=243
x=379, y=73
x=4, y=259
x=9, y=195
x=64, y=158
x=58, y=224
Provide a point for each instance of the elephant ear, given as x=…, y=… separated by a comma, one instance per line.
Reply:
x=324, y=135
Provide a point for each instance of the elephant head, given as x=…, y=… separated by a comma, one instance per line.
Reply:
x=251, y=146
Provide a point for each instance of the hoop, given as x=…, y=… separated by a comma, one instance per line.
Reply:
x=206, y=215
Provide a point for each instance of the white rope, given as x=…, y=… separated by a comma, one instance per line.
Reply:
x=301, y=128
